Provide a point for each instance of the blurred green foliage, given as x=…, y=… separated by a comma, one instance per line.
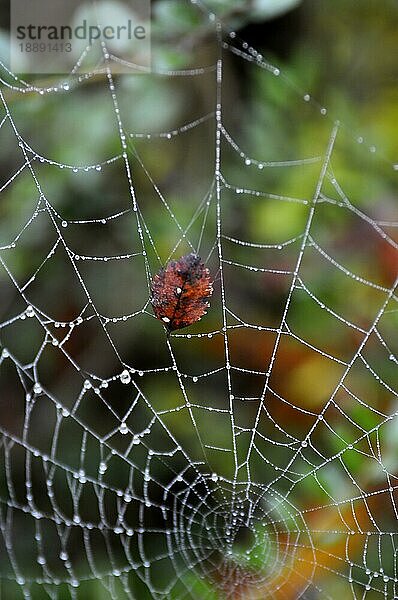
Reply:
x=344, y=55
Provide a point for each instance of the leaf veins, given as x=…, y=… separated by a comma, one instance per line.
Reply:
x=180, y=292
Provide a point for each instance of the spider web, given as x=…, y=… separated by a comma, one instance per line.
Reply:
x=199, y=470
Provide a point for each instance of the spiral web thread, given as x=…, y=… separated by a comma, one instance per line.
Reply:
x=143, y=511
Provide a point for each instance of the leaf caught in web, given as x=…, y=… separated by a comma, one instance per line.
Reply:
x=180, y=292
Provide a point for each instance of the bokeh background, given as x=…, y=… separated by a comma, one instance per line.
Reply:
x=345, y=55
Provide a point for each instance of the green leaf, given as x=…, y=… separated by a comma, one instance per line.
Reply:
x=269, y=9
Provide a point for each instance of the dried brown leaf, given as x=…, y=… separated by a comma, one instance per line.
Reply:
x=180, y=292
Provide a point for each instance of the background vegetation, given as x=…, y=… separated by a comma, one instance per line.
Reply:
x=345, y=56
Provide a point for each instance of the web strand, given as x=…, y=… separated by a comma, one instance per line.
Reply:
x=196, y=464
